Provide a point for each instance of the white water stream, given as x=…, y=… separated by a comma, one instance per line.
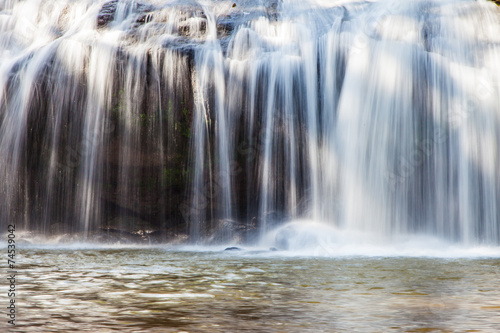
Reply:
x=373, y=117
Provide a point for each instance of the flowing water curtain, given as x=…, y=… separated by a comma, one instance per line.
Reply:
x=414, y=124
x=379, y=117
x=26, y=133
x=53, y=102
x=211, y=149
x=59, y=130
x=280, y=110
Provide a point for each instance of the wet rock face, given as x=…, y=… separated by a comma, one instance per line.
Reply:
x=272, y=9
x=107, y=13
x=184, y=23
x=145, y=18
x=141, y=181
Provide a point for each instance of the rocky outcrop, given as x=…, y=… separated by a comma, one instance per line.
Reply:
x=108, y=10
x=107, y=13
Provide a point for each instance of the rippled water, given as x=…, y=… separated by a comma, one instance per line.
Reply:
x=162, y=289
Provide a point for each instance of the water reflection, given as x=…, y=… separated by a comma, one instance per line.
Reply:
x=156, y=290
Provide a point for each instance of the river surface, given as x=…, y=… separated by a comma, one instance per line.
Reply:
x=81, y=288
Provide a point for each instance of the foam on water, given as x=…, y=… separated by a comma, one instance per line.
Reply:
x=296, y=239
x=309, y=238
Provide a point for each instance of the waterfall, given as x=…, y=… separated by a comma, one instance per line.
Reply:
x=220, y=120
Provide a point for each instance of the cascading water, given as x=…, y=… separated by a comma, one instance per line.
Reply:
x=224, y=119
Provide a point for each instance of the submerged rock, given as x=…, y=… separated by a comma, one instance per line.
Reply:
x=232, y=248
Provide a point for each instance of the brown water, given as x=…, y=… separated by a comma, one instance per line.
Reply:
x=166, y=290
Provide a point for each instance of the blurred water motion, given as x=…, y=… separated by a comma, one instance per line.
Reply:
x=161, y=290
